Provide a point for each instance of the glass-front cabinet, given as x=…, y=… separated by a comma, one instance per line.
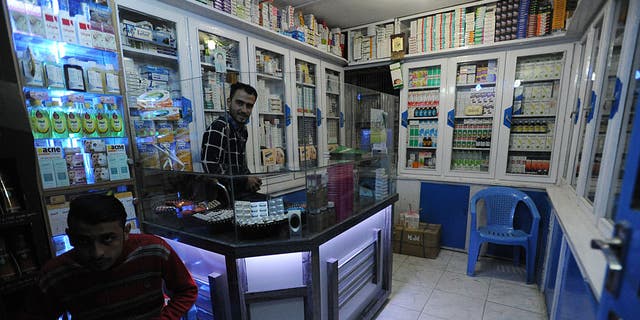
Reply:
x=422, y=117
x=475, y=94
x=587, y=97
x=156, y=65
x=269, y=67
x=626, y=108
x=222, y=61
x=308, y=114
x=605, y=103
x=333, y=106
x=532, y=105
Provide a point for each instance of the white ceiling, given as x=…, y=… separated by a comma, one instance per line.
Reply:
x=351, y=13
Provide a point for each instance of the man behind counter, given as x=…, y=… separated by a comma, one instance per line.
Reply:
x=224, y=143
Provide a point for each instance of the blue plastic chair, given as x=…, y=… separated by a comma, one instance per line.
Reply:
x=501, y=203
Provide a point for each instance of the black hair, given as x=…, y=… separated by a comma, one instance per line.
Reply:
x=96, y=208
x=244, y=87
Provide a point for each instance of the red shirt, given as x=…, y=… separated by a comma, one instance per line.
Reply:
x=131, y=289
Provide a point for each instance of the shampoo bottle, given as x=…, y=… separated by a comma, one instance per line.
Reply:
x=102, y=121
x=39, y=118
x=58, y=120
x=89, y=125
x=74, y=120
x=115, y=122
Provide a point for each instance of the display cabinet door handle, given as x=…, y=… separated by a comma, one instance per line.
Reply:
x=318, y=116
x=405, y=118
x=451, y=118
x=507, y=117
x=287, y=115
x=616, y=98
x=577, y=112
x=341, y=119
x=592, y=107
x=615, y=252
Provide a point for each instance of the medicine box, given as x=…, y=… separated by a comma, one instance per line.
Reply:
x=423, y=241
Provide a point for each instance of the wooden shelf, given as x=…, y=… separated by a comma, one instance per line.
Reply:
x=128, y=51
x=213, y=111
x=269, y=76
x=424, y=148
x=464, y=85
x=473, y=117
x=210, y=65
x=516, y=150
x=311, y=85
x=208, y=11
x=424, y=88
x=271, y=113
x=423, y=118
x=13, y=219
x=19, y=283
x=87, y=187
x=333, y=93
x=523, y=133
x=534, y=115
x=537, y=80
x=472, y=149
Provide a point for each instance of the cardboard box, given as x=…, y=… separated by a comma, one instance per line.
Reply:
x=422, y=242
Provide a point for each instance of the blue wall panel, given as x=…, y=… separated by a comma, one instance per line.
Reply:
x=447, y=205
x=554, y=259
x=575, y=301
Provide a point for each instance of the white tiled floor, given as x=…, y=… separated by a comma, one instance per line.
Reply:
x=439, y=289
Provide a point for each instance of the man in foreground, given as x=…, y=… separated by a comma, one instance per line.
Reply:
x=111, y=274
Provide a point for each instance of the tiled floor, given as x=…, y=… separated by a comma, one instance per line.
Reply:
x=439, y=289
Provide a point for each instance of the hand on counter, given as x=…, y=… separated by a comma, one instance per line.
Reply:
x=253, y=184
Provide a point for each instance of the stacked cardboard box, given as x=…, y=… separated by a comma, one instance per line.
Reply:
x=422, y=242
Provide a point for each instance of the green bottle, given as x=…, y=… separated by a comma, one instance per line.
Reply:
x=89, y=123
x=40, y=122
x=102, y=121
x=58, y=121
x=74, y=120
x=115, y=122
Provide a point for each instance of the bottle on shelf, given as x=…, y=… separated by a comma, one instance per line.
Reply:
x=24, y=254
x=8, y=195
x=58, y=121
x=8, y=270
x=89, y=123
x=115, y=122
x=39, y=119
x=102, y=121
x=74, y=120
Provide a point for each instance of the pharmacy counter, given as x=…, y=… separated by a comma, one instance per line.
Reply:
x=336, y=265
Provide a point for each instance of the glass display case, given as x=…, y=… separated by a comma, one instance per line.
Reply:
x=221, y=208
